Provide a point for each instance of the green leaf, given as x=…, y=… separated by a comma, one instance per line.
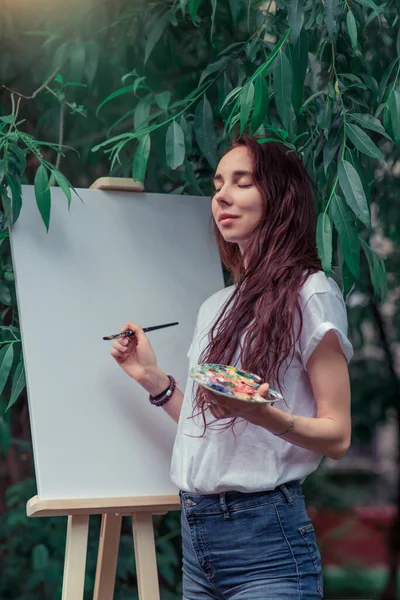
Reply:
x=77, y=55
x=335, y=138
x=163, y=99
x=232, y=94
x=42, y=194
x=141, y=158
x=369, y=122
x=352, y=29
x=142, y=112
x=215, y=66
x=182, y=4
x=5, y=436
x=265, y=66
x=324, y=241
x=348, y=279
x=16, y=195
x=7, y=208
x=283, y=87
x=5, y=294
x=261, y=104
x=332, y=12
x=235, y=6
x=136, y=84
x=295, y=11
x=384, y=81
x=299, y=59
x=194, y=6
x=324, y=116
x=344, y=222
x=6, y=361
x=116, y=94
x=370, y=4
x=18, y=384
x=92, y=60
x=191, y=177
x=214, y=8
x=394, y=109
x=18, y=156
x=246, y=104
x=224, y=88
x=353, y=191
x=382, y=280
x=175, y=145
x=40, y=557
x=375, y=267
x=155, y=33
x=187, y=129
x=7, y=119
x=352, y=157
x=63, y=183
x=205, y=132
x=363, y=142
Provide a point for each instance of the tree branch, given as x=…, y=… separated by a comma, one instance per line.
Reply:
x=39, y=89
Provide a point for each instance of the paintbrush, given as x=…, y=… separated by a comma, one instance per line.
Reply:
x=129, y=333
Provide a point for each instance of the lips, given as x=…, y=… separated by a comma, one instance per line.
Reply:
x=226, y=217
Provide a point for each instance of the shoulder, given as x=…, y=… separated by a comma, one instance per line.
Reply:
x=319, y=284
x=213, y=303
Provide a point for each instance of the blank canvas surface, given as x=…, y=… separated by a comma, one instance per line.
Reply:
x=114, y=257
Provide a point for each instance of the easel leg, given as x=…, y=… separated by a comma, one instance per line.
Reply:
x=75, y=557
x=145, y=554
x=107, y=557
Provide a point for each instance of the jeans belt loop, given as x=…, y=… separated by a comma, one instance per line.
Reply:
x=286, y=492
x=224, y=508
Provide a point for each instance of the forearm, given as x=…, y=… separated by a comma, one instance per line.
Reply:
x=320, y=434
x=156, y=382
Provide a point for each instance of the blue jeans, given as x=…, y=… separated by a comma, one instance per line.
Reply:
x=258, y=546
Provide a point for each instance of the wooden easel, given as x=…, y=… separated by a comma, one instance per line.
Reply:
x=141, y=509
x=112, y=510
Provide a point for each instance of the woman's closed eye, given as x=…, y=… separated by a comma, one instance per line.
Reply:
x=240, y=185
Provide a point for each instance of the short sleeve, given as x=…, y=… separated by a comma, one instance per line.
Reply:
x=323, y=312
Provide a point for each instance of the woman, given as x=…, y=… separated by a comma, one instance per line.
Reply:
x=246, y=533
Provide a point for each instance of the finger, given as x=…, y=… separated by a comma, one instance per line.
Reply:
x=137, y=330
x=117, y=345
x=263, y=390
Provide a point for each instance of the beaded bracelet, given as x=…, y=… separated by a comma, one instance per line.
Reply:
x=163, y=398
x=288, y=429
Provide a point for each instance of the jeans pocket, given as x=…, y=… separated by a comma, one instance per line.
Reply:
x=308, y=534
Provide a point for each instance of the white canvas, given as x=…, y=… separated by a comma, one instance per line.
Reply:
x=117, y=256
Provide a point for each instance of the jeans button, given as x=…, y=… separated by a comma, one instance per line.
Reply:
x=189, y=503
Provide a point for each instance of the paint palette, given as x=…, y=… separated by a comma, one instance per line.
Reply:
x=232, y=383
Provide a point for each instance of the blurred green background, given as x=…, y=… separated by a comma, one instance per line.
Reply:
x=155, y=91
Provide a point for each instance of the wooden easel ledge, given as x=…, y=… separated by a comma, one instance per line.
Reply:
x=100, y=506
x=117, y=184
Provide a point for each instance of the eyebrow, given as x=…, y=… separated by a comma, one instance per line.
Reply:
x=236, y=174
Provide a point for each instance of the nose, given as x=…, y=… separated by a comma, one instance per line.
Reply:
x=222, y=197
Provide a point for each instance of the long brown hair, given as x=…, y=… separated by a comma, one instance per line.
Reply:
x=281, y=254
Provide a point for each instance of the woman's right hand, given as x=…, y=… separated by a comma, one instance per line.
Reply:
x=134, y=354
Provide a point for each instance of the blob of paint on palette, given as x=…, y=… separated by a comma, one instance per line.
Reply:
x=232, y=382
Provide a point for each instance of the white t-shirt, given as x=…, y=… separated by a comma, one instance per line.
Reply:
x=250, y=458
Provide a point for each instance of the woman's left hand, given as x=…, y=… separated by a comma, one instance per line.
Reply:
x=228, y=408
